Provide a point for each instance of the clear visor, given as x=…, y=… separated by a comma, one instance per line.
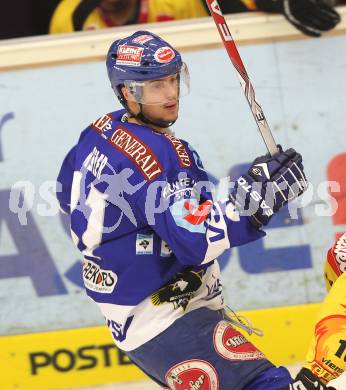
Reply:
x=159, y=91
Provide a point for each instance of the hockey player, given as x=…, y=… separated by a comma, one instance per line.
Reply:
x=143, y=216
x=326, y=357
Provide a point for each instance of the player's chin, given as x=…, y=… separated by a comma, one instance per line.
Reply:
x=170, y=118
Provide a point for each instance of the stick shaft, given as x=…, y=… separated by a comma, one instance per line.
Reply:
x=244, y=79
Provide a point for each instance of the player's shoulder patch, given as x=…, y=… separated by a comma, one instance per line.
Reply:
x=103, y=123
x=136, y=150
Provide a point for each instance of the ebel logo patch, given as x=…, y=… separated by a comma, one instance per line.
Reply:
x=98, y=279
x=232, y=345
x=144, y=244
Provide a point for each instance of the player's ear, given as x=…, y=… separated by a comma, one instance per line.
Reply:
x=133, y=106
x=126, y=93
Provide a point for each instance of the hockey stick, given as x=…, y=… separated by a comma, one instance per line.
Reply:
x=244, y=79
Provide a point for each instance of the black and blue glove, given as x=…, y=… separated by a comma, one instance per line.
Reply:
x=269, y=184
x=312, y=17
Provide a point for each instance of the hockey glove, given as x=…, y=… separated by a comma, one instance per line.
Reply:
x=311, y=17
x=305, y=380
x=270, y=184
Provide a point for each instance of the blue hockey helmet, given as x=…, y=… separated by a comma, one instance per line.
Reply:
x=141, y=57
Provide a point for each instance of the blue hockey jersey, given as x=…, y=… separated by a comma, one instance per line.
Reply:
x=143, y=216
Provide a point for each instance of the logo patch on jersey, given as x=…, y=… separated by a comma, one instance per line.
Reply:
x=179, y=291
x=119, y=331
x=97, y=279
x=179, y=210
x=139, y=153
x=166, y=251
x=199, y=214
x=144, y=244
x=180, y=150
x=102, y=124
x=192, y=375
x=129, y=55
x=143, y=38
x=214, y=288
x=180, y=189
x=232, y=345
x=164, y=54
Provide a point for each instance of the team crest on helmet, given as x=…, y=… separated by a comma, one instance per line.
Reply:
x=164, y=54
x=179, y=291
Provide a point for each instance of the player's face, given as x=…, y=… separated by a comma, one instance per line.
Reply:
x=166, y=92
x=159, y=98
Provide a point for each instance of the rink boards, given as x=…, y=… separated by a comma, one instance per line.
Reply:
x=87, y=356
